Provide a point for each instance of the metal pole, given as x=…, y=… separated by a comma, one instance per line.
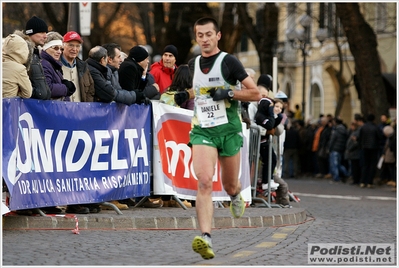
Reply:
x=304, y=79
x=269, y=168
x=74, y=22
x=275, y=65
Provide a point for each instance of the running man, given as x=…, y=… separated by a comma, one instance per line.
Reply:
x=217, y=131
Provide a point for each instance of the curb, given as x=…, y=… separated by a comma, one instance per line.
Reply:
x=158, y=218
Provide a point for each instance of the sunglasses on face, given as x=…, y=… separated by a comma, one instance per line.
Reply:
x=56, y=48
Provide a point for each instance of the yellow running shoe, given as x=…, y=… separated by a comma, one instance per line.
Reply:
x=237, y=206
x=203, y=246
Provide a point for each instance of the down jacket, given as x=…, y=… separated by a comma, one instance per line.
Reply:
x=15, y=79
x=40, y=89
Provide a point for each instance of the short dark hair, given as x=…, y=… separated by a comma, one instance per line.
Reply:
x=110, y=47
x=97, y=53
x=206, y=20
x=370, y=117
x=338, y=120
x=358, y=117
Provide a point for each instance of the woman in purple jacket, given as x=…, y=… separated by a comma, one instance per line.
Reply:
x=60, y=88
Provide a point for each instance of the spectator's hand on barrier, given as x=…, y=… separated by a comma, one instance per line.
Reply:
x=141, y=98
x=247, y=121
x=70, y=86
x=218, y=94
x=146, y=101
x=181, y=97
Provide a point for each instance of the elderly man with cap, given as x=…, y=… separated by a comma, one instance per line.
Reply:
x=164, y=70
x=75, y=69
x=36, y=32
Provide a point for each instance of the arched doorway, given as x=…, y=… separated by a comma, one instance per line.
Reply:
x=315, y=101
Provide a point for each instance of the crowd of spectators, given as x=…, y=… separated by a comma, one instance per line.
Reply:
x=329, y=148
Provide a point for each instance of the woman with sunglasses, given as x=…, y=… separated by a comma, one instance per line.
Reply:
x=61, y=89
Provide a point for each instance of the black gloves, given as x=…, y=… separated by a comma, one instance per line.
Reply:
x=219, y=94
x=141, y=98
x=181, y=97
x=70, y=86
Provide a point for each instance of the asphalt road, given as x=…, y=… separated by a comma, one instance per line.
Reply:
x=337, y=213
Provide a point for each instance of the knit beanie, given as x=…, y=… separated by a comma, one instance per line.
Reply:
x=265, y=80
x=35, y=25
x=138, y=53
x=171, y=49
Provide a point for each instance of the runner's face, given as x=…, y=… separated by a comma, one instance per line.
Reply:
x=207, y=38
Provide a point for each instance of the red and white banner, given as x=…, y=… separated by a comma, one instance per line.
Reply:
x=172, y=163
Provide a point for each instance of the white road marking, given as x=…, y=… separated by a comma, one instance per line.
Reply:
x=348, y=197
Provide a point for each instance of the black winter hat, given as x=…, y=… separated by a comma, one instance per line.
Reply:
x=35, y=25
x=138, y=53
x=171, y=49
x=265, y=80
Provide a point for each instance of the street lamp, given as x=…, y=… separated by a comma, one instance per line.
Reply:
x=300, y=39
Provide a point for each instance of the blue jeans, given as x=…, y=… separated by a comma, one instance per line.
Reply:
x=336, y=167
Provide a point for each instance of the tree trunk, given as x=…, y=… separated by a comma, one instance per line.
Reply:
x=231, y=30
x=363, y=46
x=179, y=28
x=263, y=34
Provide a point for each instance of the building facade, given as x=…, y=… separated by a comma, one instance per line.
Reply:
x=308, y=58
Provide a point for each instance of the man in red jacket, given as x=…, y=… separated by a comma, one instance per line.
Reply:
x=164, y=70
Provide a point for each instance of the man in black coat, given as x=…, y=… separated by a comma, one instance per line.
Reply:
x=101, y=74
x=369, y=138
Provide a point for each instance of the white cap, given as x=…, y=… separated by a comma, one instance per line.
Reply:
x=280, y=95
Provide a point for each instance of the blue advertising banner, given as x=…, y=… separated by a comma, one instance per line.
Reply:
x=60, y=153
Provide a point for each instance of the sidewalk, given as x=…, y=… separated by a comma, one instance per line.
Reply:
x=155, y=218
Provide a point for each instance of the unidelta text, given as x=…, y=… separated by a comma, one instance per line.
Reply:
x=70, y=151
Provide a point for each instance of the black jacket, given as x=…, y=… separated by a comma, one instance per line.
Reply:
x=370, y=136
x=40, y=88
x=338, y=139
x=130, y=73
x=122, y=95
x=264, y=115
x=104, y=91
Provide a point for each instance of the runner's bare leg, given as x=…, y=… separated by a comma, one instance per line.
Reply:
x=204, y=161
